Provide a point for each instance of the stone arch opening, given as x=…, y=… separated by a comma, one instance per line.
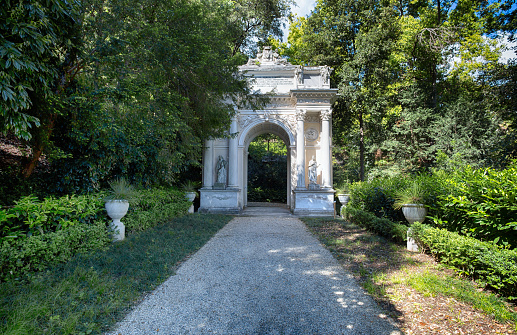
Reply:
x=256, y=129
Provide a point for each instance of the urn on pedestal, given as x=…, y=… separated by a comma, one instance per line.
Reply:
x=117, y=205
x=411, y=200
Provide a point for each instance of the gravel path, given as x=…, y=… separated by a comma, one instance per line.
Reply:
x=259, y=275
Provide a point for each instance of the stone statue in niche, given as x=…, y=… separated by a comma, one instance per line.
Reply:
x=313, y=170
x=221, y=172
x=313, y=175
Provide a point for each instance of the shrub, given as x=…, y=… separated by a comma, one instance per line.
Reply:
x=155, y=206
x=492, y=265
x=377, y=197
x=481, y=203
x=29, y=216
x=23, y=256
x=382, y=226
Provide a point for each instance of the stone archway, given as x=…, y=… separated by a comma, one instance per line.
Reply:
x=300, y=114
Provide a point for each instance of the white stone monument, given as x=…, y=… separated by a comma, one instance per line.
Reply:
x=300, y=114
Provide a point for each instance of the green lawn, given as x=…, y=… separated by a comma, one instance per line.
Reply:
x=89, y=294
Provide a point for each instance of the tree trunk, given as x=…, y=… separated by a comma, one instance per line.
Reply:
x=40, y=143
x=361, y=147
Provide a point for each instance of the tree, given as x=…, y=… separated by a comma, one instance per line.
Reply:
x=355, y=37
x=253, y=21
x=151, y=81
x=37, y=49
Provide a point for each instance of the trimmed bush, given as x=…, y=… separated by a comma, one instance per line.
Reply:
x=22, y=256
x=154, y=207
x=382, y=226
x=30, y=216
x=481, y=203
x=492, y=265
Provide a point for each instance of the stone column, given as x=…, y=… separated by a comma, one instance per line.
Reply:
x=326, y=156
x=208, y=165
x=233, y=161
x=300, y=149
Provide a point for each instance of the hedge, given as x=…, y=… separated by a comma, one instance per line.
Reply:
x=155, y=206
x=382, y=226
x=37, y=234
x=23, y=256
x=490, y=264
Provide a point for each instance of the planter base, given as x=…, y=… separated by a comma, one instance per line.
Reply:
x=119, y=230
x=411, y=244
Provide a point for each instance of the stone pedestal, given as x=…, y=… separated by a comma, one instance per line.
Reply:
x=314, y=202
x=219, y=201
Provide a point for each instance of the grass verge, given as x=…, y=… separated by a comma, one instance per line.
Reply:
x=422, y=295
x=89, y=294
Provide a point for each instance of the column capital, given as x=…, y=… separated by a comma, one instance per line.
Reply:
x=300, y=114
x=326, y=115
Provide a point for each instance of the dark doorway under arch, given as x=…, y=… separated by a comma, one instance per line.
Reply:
x=267, y=169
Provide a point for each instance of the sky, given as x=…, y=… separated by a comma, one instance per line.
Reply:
x=303, y=8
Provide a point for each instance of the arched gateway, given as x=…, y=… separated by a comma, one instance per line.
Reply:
x=300, y=114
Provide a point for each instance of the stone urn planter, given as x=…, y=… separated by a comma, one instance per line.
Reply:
x=189, y=187
x=117, y=204
x=190, y=197
x=116, y=210
x=343, y=198
x=414, y=212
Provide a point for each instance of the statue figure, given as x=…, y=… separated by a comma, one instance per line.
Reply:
x=325, y=74
x=299, y=75
x=221, y=170
x=313, y=170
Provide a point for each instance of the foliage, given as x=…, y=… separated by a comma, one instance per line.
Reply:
x=30, y=217
x=379, y=225
x=378, y=197
x=343, y=188
x=92, y=292
x=13, y=186
x=22, y=257
x=492, y=265
x=121, y=189
x=412, y=193
x=254, y=21
x=415, y=78
x=37, y=45
x=130, y=91
x=480, y=203
x=190, y=186
x=155, y=206
x=267, y=169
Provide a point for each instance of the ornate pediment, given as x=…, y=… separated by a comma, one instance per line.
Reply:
x=268, y=57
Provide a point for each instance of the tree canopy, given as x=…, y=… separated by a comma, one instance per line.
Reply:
x=416, y=80
x=107, y=88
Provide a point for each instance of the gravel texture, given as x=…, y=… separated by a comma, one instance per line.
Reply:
x=259, y=275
